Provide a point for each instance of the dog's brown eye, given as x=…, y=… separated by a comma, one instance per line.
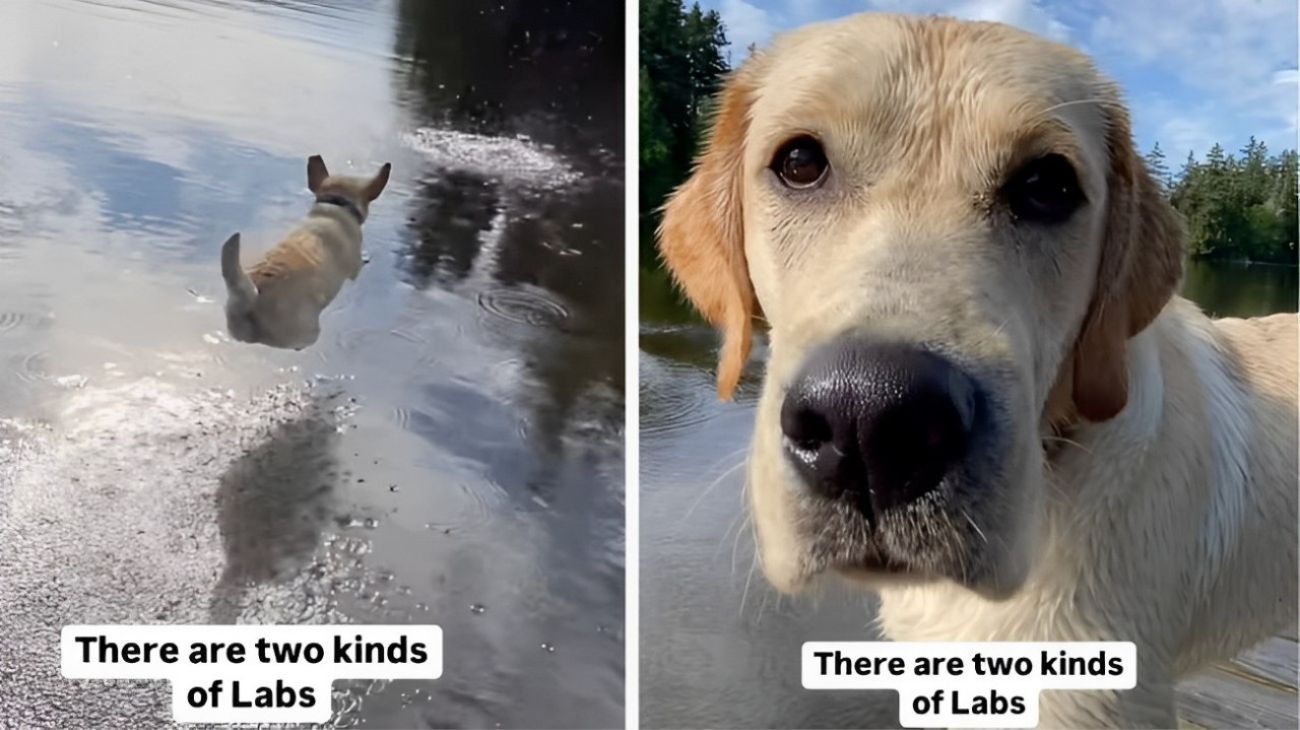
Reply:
x=1045, y=190
x=800, y=163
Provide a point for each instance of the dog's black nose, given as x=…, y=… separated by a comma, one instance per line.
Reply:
x=877, y=423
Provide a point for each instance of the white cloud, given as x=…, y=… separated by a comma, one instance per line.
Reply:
x=1237, y=59
x=1180, y=135
x=747, y=25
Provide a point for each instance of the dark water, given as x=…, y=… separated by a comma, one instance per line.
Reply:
x=450, y=451
x=1241, y=290
x=719, y=648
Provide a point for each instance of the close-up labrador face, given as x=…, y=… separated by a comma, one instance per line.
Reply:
x=949, y=236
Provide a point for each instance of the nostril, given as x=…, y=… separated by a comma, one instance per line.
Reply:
x=913, y=444
x=806, y=428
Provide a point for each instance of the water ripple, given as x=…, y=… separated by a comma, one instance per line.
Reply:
x=11, y=320
x=524, y=307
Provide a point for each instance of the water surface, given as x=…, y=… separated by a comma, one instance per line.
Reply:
x=719, y=648
x=450, y=451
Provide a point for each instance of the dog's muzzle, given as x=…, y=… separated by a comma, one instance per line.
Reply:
x=877, y=425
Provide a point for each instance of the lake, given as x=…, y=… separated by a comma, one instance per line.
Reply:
x=719, y=648
x=450, y=451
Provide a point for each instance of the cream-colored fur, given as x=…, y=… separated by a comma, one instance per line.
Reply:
x=278, y=301
x=1145, y=483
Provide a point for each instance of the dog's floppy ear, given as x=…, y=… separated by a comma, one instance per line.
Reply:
x=1141, y=266
x=377, y=183
x=316, y=172
x=702, y=234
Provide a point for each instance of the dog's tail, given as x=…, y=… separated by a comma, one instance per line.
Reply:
x=241, y=294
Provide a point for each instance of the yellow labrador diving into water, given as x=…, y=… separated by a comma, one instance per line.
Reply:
x=278, y=301
x=984, y=398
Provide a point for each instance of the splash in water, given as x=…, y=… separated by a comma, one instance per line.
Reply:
x=513, y=160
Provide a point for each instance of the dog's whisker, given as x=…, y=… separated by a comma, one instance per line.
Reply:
x=744, y=596
x=1050, y=481
x=976, y=527
x=743, y=520
x=1071, y=442
x=732, y=524
x=712, y=485
x=742, y=451
x=762, y=607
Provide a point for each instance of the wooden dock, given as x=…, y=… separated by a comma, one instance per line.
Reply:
x=1255, y=690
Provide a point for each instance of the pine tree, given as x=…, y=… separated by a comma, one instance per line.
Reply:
x=1159, y=170
x=682, y=65
x=1240, y=208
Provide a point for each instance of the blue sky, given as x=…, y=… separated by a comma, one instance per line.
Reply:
x=1194, y=72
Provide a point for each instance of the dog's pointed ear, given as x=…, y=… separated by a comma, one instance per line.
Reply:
x=316, y=172
x=1140, y=269
x=702, y=235
x=377, y=183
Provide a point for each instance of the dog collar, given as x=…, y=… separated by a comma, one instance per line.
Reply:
x=343, y=203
